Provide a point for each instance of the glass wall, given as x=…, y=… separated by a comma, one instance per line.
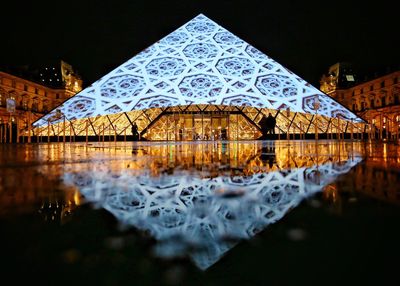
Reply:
x=200, y=126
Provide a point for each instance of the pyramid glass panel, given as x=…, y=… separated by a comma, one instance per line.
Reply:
x=203, y=64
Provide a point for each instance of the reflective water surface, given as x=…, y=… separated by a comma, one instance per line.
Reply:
x=183, y=203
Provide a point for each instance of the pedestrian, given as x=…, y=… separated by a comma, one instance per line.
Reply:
x=267, y=125
x=135, y=133
x=271, y=122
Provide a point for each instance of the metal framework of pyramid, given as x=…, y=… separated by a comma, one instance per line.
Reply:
x=200, y=63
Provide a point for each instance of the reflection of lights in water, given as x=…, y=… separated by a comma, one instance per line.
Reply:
x=203, y=217
x=56, y=211
x=331, y=193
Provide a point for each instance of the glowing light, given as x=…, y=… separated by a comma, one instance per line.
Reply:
x=190, y=66
x=182, y=211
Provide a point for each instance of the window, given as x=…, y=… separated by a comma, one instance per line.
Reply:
x=25, y=87
x=383, y=84
x=13, y=84
x=395, y=80
x=25, y=104
x=57, y=96
x=371, y=88
x=35, y=106
x=36, y=91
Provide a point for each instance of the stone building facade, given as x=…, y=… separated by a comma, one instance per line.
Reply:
x=376, y=100
x=25, y=99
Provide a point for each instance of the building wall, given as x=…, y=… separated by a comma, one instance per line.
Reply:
x=377, y=100
x=32, y=99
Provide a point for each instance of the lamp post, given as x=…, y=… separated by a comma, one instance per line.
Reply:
x=316, y=105
x=11, y=109
x=29, y=126
x=58, y=116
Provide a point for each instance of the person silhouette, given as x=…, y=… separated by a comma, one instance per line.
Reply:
x=267, y=125
x=135, y=133
x=271, y=122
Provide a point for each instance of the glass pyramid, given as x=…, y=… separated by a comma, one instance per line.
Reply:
x=199, y=63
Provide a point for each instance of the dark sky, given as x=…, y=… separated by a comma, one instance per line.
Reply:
x=97, y=36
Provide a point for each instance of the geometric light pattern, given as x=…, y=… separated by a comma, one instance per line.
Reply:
x=199, y=63
x=203, y=217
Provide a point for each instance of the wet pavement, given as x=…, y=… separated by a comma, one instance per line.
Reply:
x=200, y=213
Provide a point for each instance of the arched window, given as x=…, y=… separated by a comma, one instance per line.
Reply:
x=363, y=105
x=35, y=105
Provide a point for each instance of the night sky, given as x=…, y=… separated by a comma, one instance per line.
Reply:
x=304, y=36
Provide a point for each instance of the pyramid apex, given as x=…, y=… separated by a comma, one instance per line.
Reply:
x=201, y=16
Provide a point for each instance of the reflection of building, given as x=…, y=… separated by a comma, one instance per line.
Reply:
x=200, y=82
x=378, y=177
x=203, y=217
x=27, y=94
x=376, y=100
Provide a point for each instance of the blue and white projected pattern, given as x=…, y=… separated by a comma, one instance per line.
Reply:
x=199, y=63
x=202, y=217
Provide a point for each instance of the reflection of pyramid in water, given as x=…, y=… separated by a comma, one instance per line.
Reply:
x=199, y=63
x=203, y=218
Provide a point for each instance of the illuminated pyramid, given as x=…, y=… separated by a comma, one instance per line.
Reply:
x=202, y=64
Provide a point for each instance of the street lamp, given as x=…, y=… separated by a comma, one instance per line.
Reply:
x=11, y=106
